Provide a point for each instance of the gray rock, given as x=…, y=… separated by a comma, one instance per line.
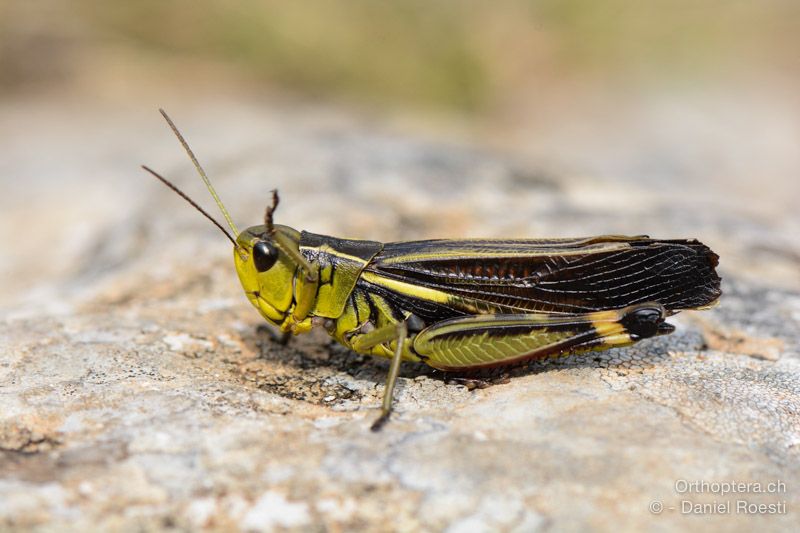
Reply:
x=138, y=389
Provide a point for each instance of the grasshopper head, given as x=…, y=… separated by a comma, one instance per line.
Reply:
x=266, y=270
x=267, y=257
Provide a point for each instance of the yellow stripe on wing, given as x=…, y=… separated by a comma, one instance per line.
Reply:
x=468, y=252
x=410, y=289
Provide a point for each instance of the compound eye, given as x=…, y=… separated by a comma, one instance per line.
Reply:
x=264, y=255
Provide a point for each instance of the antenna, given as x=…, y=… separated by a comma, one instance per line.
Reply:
x=183, y=195
x=284, y=243
x=202, y=175
x=270, y=211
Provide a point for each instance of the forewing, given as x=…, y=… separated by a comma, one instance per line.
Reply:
x=553, y=276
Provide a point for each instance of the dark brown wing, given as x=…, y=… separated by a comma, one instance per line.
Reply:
x=557, y=276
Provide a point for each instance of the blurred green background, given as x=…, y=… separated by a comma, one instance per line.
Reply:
x=663, y=92
x=468, y=56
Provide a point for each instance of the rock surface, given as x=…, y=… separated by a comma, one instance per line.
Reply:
x=139, y=390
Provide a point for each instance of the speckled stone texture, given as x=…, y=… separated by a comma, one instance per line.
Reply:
x=140, y=391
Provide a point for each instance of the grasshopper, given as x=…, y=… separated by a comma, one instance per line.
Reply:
x=465, y=305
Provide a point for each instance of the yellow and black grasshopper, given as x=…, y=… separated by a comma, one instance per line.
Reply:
x=466, y=305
